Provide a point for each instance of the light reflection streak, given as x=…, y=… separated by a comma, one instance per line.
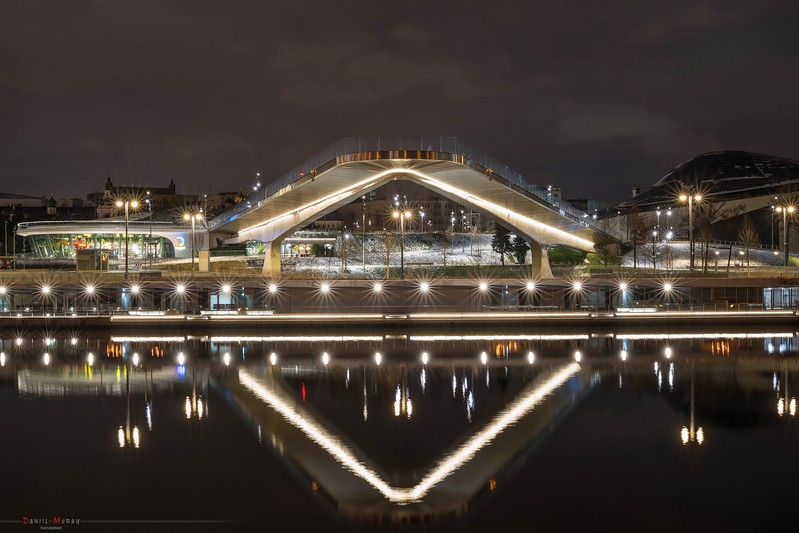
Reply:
x=671, y=376
x=452, y=462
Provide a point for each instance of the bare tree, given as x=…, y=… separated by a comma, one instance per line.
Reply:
x=706, y=216
x=748, y=237
x=390, y=242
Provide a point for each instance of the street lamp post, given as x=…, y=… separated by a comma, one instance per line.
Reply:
x=785, y=210
x=193, y=217
x=691, y=198
x=127, y=204
x=150, y=238
x=402, y=215
x=363, y=235
x=772, y=225
x=657, y=224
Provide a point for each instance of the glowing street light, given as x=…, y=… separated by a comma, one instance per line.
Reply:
x=402, y=216
x=192, y=217
x=127, y=204
x=785, y=210
x=691, y=198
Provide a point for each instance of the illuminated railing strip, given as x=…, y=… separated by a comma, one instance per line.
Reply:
x=304, y=338
x=661, y=314
x=351, y=190
x=429, y=338
x=499, y=315
x=677, y=336
x=148, y=339
x=509, y=416
x=346, y=191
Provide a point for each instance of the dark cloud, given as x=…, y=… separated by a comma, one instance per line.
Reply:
x=594, y=97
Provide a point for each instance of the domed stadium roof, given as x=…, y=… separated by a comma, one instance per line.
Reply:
x=721, y=176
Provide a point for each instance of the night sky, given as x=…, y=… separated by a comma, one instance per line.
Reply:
x=596, y=97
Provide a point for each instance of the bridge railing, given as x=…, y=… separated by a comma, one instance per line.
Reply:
x=438, y=143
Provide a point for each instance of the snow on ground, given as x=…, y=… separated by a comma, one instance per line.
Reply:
x=675, y=257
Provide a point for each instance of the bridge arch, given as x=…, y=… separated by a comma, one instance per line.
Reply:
x=345, y=173
x=274, y=230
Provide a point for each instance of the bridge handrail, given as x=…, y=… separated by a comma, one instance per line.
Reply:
x=440, y=143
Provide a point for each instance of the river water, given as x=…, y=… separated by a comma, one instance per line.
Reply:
x=552, y=430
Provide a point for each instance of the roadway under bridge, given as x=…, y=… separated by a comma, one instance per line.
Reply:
x=354, y=166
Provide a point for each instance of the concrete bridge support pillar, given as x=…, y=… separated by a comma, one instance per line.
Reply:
x=272, y=259
x=540, y=262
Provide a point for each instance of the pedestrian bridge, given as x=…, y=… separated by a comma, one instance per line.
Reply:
x=354, y=166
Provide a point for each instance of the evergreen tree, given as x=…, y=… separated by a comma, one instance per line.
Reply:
x=519, y=249
x=500, y=242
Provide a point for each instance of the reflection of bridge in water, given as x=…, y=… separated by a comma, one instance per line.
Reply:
x=100, y=380
x=360, y=487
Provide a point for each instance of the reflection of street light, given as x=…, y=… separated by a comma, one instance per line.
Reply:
x=691, y=198
x=127, y=204
x=193, y=217
x=128, y=436
x=785, y=210
x=194, y=404
x=402, y=215
x=786, y=402
x=692, y=433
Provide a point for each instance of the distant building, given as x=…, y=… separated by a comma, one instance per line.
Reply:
x=20, y=200
x=156, y=198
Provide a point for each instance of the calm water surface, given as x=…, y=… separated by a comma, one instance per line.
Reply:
x=688, y=430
